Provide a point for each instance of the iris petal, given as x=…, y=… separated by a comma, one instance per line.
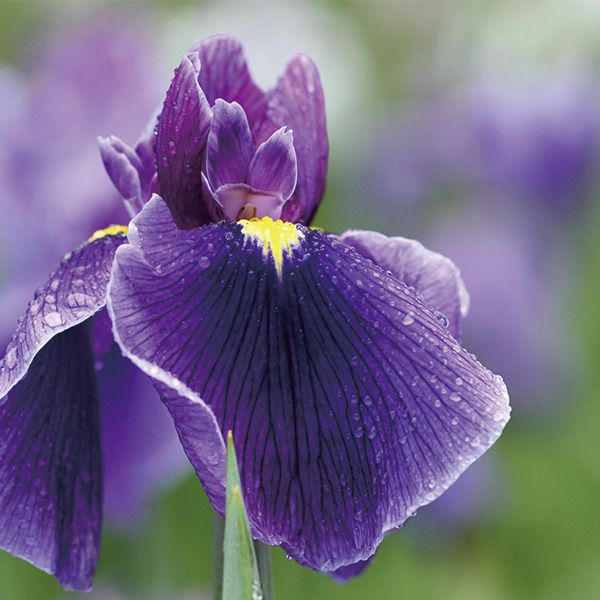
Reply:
x=343, y=574
x=230, y=146
x=273, y=167
x=351, y=403
x=180, y=140
x=433, y=275
x=50, y=463
x=142, y=454
x=123, y=166
x=74, y=292
x=224, y=74
x=297, y=102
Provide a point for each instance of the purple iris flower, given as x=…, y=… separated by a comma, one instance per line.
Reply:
x=334, y=360
x=51, y=114
x=82, y=79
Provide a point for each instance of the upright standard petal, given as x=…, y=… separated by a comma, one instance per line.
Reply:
x=230, y=147
x=273, y=167
x=351, y=403
x=297, y=101
x=433, y=275
x=74, y=292
x=181, y=137
x=124, y=167
x=50, y=463
x=224, y=74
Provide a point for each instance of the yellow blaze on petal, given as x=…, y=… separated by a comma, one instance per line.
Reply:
x=274, y=236
x=112, y=230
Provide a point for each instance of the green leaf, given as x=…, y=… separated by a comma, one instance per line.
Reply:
x=241, y=579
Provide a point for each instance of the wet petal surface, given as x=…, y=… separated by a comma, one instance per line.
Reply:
x=297, y=102
x=50, y=463
x=433, y=275
x=74, y=292
x=224, y=74
x=350, y=402
x=230, y=146
x=273, y=167
x=180, y=141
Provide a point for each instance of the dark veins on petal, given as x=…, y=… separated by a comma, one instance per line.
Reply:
x=50, y=462
x=74, y=292
x=297, y=102
x=180, y=141
x=434, y=276
x=224, y=74
x=350, y=402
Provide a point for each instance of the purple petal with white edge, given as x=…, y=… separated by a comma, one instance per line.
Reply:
x=230, y=147
x=74, y=292
x=273, y=167
x=351, y=404
x=123, y=166
x=433, y=275
x=297, y=101
x=50, y=463
x=234, y=198
x=224, y=74
x=142, y=454
x=198, y=433
x=181, y=137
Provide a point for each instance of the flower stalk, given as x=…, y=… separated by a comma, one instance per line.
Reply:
x=241, y=566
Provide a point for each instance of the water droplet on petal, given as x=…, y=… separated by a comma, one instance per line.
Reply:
x=498, y=416
x=53, y=319
x=409, y=319
x=10, y=359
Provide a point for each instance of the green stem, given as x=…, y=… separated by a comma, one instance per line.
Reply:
x=263, y=560
x=218, y=535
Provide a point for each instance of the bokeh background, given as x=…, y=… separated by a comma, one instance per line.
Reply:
x=473, y=127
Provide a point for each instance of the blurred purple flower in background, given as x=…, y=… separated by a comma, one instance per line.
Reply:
x=503, y=169
x=77, y=82
x=351, y=401
x=536, y=145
